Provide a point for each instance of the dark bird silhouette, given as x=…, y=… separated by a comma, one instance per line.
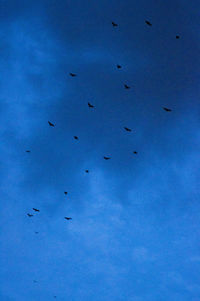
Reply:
x=30, y=215
x=126, y=86
x=127, y=129
x=90, y=106
x=166, y=109
x=148, y=23
x=87, y=171
x=72, y=74
x=65, y=192
x=135, y=152
x=75, y=137
x=28, y=151
x=68, y=218
x=119, y=66
x=36, y=210
x=50, y=123
x=177, y=37
x=114, y=24
x=107, y=158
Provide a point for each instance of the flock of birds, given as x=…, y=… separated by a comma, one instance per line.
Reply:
x=91, y=106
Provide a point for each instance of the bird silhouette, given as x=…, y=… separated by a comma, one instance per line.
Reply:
x=50, y=123
x=114, y=24
x=148, y=23
x=68, y=218
x=126, y=86
x=87, y=171
x=135, y=152
x=36, y=210
x=72, y=74
x=119, y=66
x=30, y=215
x=127, y=129
x=65, y=192
x=75, y=137
x=177, y=37
x=107, y=158
x=166, y=109
x=28, y=151
x=90, y=106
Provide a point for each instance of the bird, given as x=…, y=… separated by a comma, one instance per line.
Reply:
x=50, y=123
x=90, y=106
x=36, y=232
x=30, y=215
x=177, y=37
x=36, y=210
x=65, y=192
x=119, y=66
x=72, y=74
x=135, y=152
x=148, y=23
x=126, y=86
x=35, y=281
x=107, y=158
x=68, y=218
x=166, y=109
x=87, y=171
x=75, y=137
x=28, y=151
x=127, y=129
x=114, y=24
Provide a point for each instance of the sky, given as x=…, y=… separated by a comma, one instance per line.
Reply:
x=134, y=233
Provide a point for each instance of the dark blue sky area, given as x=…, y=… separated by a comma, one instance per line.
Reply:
x=134, y=233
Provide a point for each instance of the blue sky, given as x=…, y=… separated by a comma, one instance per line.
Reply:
x=134, y=233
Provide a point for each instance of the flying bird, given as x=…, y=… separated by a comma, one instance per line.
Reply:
x=107, y=158
x=119, y=66
x=177, y=37
x=135, y=152
x=28, y=151
x=127, y=129
x=50, y=123
x=65, y=192
x=126, y=86
x=166, y=109
x=148, y=23
x=75, y=137
x=68, y=218
x=36, y=232
x=114, y=24
x=90, y=106
x=30, y=215
x=72, y=74
x=36, y=210
x=87, y=171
